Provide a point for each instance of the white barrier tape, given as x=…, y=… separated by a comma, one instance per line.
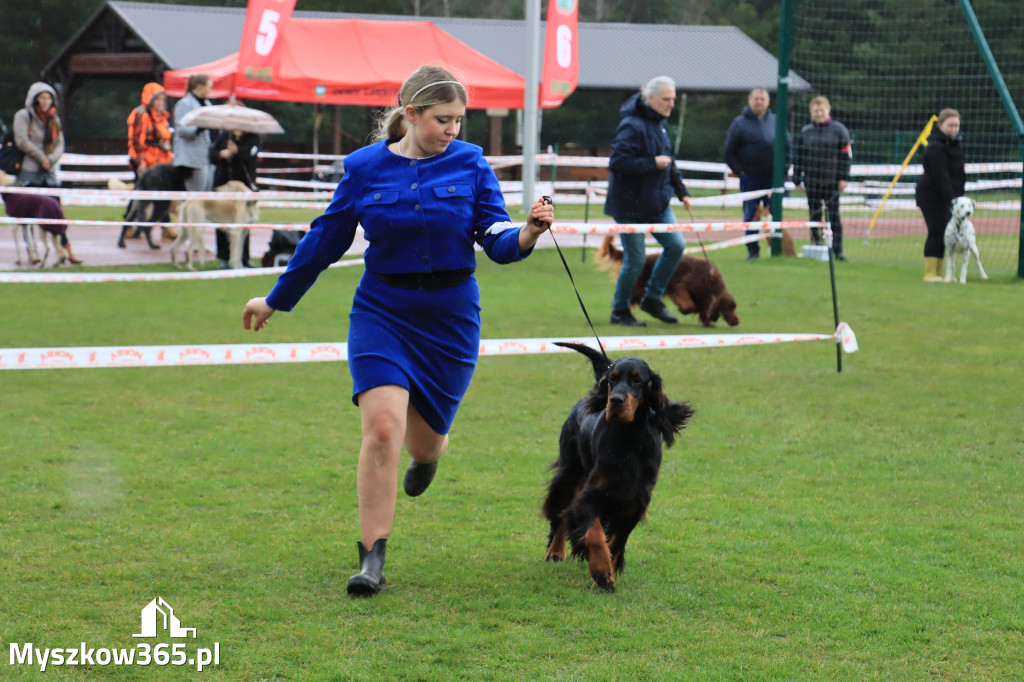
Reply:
x=94, y=176
x=616, y=228
x=168, y=195
x=95, y=160
x=576, y=161
x=101, y=277
x=317, y=157
x=312, y=184
x=109, y=223
x=99, y=357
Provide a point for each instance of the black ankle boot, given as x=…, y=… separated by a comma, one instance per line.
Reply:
x=370, y=579
x=418, y=477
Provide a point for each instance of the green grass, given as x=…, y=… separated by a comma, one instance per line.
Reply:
x=808, y=525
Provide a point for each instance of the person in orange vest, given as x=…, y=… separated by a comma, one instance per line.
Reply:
x=149, y=137
x=149, y=133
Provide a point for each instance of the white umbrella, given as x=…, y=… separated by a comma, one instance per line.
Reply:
x=231, y=117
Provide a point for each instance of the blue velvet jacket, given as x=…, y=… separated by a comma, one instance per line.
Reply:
x=418, y=215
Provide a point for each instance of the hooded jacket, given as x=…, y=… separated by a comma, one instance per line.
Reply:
x=30, y=133
x=637, y=190
x=823, y=154
x=944, y=174
x=149, y=131
x=750, y=144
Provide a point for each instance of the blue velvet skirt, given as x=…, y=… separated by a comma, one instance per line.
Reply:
x=426, y=341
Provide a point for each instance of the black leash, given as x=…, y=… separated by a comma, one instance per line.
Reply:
x=547, y=200
x=700, y=241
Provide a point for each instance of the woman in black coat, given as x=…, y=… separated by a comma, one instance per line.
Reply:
x=943, y=180
x=233, y=154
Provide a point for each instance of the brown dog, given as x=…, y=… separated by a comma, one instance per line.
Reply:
x=696, y=286
x=788, y=247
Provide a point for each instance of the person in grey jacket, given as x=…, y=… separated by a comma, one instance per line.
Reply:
x=823, y=155
x=191, y=144
x=38, y=133
x=750, y=154
x=642, y=179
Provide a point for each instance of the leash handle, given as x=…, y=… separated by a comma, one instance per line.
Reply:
x=565, y=264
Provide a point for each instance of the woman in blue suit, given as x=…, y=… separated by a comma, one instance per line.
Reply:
x=423, y=199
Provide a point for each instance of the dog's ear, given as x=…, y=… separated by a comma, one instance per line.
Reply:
x=597, y=399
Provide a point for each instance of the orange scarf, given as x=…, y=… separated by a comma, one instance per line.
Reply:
x=51, y=124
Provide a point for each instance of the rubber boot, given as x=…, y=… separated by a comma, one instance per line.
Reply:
x=370, y=579
x=931, y=269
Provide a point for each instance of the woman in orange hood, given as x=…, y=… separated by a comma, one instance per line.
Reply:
x=149, y=134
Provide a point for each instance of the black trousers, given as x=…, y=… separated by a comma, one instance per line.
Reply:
x=827, y=195
x=224, y=245
x=935, y=218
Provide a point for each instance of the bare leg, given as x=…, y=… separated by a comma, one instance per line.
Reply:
x=382, y=411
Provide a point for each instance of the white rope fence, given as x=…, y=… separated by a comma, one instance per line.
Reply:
x=110, y=357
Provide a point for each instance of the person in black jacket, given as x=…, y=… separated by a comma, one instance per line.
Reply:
x=750, y=154
x=642, y=179
x=943, y=180
x=822, y=166
x=233, y=154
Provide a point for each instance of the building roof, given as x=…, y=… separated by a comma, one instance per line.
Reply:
x=613, y=56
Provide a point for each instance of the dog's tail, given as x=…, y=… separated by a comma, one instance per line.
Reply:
x=115, y=184
x=600, y=362
x=608, y=257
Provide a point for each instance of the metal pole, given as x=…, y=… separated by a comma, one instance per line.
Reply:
x=1007, y=100
x=781, y=117
x=531, y=103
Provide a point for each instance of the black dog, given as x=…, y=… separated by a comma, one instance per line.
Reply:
x=163, y=177
x=609, y=455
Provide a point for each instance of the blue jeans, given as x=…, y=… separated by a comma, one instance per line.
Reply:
x=751, y=183
x=634, y=257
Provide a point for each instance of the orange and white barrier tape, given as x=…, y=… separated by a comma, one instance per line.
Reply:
x=101, y=277
x=132, y=194
x=99, y=357
x=616, y=228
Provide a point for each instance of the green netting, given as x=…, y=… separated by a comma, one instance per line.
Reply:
x=887, y=66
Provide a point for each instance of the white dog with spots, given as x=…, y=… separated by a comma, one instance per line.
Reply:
x=960, y=240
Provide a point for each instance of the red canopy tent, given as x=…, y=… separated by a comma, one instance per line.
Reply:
x=362, y=62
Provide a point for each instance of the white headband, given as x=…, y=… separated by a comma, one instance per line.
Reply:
x=430, y=86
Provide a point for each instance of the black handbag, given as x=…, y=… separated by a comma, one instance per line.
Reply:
x=10, y=156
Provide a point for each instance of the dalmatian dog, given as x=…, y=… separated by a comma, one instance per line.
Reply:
x=960, y=240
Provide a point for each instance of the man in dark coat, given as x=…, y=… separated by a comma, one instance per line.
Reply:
x=823, y=155
x=750, y=154
x=642, y=179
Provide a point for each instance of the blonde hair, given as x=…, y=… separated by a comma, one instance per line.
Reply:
x=428, y=86
x=947, y=113
x=820, y=100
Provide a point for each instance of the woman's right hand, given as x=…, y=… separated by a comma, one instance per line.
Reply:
x=256, y=313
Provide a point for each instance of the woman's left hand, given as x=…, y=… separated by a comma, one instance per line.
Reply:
x=543, y=213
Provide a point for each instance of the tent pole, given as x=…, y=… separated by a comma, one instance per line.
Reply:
x=530, y=103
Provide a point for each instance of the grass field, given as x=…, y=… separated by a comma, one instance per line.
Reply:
x=808, y=525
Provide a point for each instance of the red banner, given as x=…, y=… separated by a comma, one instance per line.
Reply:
x=259, y=55
x=561, y=54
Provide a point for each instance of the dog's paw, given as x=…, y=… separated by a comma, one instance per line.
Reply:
x=604, y=581
x=554, y=555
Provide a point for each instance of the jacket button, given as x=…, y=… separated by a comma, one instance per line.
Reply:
x=413, y=186
x=413, y=163
x=376, y=197
x=416, y=207
x=451, y=190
